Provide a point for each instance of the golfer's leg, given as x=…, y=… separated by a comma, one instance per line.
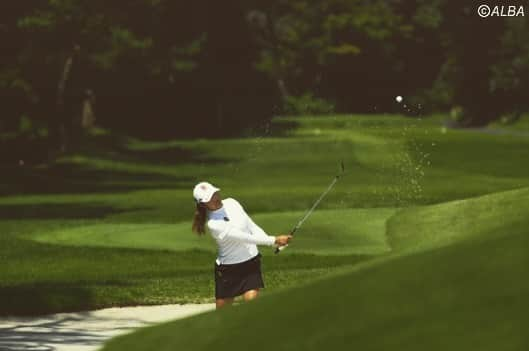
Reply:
x=223, y=302
x=251, y=294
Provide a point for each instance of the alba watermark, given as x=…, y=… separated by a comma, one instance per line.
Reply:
x=500, y=11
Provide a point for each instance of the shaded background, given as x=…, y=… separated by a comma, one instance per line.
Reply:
x=161, y=69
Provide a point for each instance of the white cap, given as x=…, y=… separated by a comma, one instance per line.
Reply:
x=204, y=191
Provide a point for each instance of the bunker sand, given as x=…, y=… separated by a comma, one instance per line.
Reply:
x=86, y=331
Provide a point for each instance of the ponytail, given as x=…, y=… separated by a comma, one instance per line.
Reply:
x=199, y=219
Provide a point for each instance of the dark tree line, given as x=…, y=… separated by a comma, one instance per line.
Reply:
x=166, y=68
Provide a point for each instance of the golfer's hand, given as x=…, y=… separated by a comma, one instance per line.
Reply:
x=282, y=240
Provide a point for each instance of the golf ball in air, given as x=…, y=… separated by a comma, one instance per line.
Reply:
x=398, y=98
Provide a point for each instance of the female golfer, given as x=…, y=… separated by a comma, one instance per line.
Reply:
x=238, y=265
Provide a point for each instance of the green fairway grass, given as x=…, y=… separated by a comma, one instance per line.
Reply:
x=109, y=224
x=471, y=294
x=355, y=231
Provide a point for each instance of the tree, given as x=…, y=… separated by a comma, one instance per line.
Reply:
x=485, y=63
x=329, y=48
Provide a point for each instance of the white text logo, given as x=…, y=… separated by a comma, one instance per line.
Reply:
x=500, y=11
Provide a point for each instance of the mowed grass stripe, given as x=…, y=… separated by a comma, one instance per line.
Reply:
x=326, y=232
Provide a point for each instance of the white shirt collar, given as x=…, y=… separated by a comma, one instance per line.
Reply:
x=217, y=214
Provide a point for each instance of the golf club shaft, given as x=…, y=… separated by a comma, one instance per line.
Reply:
x=309, y=212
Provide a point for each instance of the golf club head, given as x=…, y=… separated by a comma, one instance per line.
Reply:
x=342, y=170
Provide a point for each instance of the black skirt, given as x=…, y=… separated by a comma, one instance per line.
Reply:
x=235, y=279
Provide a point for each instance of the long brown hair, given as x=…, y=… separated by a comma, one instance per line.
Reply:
x=199, y=219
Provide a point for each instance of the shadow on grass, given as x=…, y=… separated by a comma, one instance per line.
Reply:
x=20, y=175
x=41, y=298
x=26, y=171
x=279, y=127
x=117, y=148
x=68, y=178
x=61, y=211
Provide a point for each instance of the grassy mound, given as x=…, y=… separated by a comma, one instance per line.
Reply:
x=438, y=225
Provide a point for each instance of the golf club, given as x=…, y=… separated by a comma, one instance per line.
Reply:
x=309, y=212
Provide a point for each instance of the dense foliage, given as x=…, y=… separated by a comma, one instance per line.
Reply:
x=164, y=68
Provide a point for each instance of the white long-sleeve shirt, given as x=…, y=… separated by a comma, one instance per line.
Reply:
x=236, y=234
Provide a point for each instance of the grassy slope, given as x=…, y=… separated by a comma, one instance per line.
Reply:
x=471, y=294
x=111, y=189
x=443, y=224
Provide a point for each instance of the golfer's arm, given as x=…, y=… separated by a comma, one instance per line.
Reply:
x=255, y=229
x=223, y=231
